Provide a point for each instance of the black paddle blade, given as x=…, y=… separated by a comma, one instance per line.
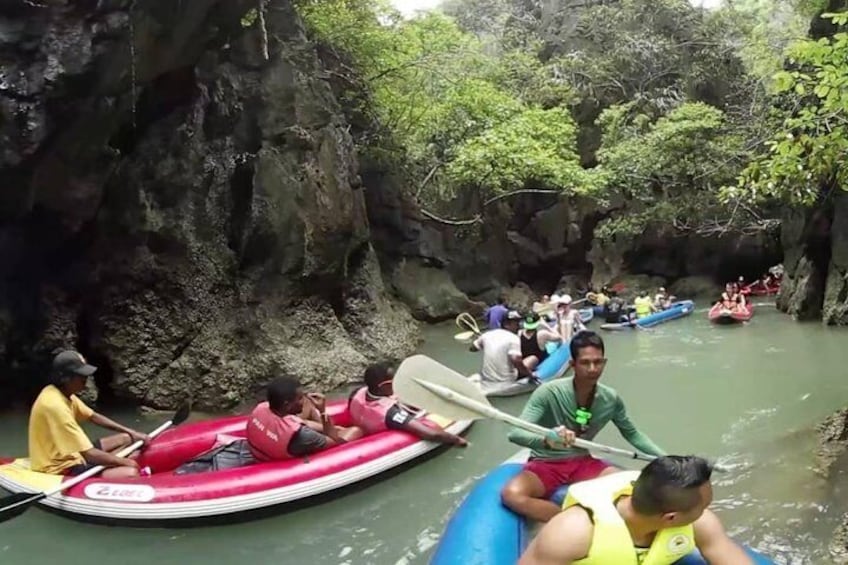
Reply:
x=16, y=504
x=182, y=414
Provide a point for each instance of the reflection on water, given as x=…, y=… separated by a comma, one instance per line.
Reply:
x=746, y=397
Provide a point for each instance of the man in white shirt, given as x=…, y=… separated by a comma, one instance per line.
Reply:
x=502, y=361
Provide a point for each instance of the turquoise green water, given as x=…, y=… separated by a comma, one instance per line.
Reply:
x=749, y=396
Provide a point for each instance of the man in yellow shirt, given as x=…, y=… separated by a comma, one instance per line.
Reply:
x=57, y=443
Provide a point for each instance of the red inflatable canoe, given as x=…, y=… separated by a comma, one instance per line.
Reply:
x=757, y=289
x=718, y=314
x=167, y=498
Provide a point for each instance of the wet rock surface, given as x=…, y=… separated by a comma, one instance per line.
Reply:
x=187, y=214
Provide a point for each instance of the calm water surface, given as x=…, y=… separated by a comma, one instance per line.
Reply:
x=749, y=396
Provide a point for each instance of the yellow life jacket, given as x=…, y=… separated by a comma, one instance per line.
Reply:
x=611, y=542
x=643, y=306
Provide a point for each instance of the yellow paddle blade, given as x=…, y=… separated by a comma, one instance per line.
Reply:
x=464, y=336
x=545, y=308
x=441, y=421
x=421, y=367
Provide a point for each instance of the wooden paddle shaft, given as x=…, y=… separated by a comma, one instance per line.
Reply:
x=492, y=412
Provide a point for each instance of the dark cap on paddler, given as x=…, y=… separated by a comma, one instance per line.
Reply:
x=68, y=362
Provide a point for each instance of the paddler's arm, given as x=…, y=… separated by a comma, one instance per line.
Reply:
x=328, y=432
x=565, y=539
x=109, y=424
x=96, y=456
x=518, y=362
x=534, y=411
x=578, y=322
x=633, y=436
x=714, y=544
x=477, y=344
x=399, y=418
x=424, y=432
x=307, y=441
x=550, y=336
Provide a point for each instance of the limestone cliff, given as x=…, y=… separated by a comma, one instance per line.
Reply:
x=188, y=214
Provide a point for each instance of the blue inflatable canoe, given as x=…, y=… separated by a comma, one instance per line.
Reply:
x=551, y=368
x=483, y=531
x=676, y=310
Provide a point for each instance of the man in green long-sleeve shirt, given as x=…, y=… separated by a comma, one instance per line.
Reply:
x=575, y=407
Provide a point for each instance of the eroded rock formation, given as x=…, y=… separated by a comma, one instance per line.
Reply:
x=186, y=213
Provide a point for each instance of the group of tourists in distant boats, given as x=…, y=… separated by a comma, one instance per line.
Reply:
x=515, y=343
x=734, y=298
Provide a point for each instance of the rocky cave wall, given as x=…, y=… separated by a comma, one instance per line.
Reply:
x=186, y=213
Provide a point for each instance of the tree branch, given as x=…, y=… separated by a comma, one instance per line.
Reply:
x=478, y=218
x=263, y=30
x=428, y=177
x=521, y=191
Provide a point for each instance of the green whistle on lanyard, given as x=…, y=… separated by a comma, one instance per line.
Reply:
x=582, y=416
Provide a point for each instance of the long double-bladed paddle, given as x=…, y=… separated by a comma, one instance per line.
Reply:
x=422, y=381
x=16, y=504
x=466, y=320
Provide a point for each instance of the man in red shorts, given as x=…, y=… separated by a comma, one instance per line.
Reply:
x=576, y=407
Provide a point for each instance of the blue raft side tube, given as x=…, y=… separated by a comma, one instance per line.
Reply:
x=483, y=531
x=555, y=365
x=676, y=310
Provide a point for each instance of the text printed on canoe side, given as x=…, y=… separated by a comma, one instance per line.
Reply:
x=122, y=493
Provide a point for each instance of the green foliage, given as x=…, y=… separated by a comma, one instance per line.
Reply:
x=451, y=101
x=660, y=51
x=808, y=151
x=483, y=18
x=670, y=101
x=765, y=28
x=249, y=18
x=664, y=168
x=534, y=146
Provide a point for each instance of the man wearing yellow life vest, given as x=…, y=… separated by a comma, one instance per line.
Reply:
x=374, y=408
x=643, y=304
x=630, y=518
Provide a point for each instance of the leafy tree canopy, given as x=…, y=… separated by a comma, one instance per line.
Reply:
x=806, y=153
x=670, y=116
